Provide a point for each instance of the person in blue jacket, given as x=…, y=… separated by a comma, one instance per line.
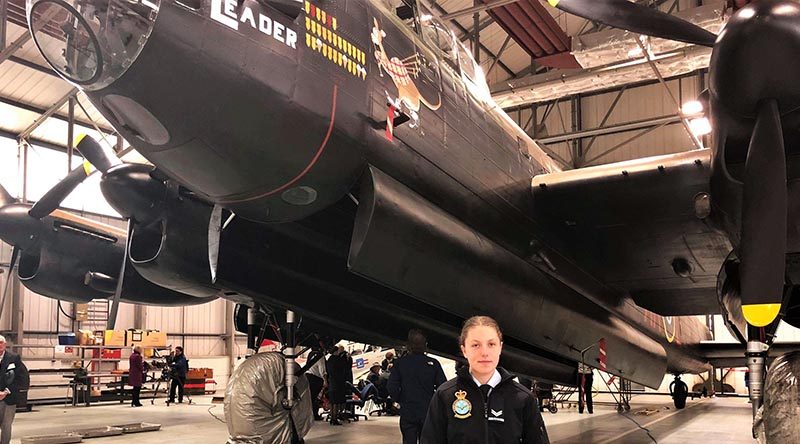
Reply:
x=180, y=367
x=413, y=381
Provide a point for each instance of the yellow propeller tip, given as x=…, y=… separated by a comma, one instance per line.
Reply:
x=760, y=315
x=553, y=3
x=87, y=167
x=79, y=139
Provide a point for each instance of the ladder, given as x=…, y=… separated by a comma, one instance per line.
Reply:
x=97, y=315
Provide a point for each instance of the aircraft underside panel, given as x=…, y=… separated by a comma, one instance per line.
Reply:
x=302, y=269
x=406, y=243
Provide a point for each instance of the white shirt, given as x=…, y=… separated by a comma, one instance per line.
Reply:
x=318, y=369
x=493, y=381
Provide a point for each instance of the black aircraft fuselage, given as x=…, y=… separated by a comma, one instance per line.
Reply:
x=284, y=113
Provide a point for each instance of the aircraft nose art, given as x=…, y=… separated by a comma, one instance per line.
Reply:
x=91, y=43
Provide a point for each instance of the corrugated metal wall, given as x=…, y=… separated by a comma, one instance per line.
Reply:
x=199, y=329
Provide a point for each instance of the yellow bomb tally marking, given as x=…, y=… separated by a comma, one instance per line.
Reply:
x=332, y=46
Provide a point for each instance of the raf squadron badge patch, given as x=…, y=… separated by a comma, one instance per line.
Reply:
x=461, y=406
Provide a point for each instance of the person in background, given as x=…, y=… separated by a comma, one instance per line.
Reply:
x=388, y=362
x=136, y=375
x=412, y=382
x=14, y=383
x=338, y=368
x=585, y=380
x=374, y=376
x=316, y=379
x=180, y=367
x=483, y=404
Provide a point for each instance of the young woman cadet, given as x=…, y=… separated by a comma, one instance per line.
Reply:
x=483, y=404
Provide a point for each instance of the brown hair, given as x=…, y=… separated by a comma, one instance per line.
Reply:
x=478, y=321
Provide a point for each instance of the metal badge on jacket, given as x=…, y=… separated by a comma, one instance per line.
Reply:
x=461, y=406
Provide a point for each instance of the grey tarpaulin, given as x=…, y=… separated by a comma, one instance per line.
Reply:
x=776, y=420
x=253, y=409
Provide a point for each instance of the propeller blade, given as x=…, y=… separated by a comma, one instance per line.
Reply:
x=101, y=157
x=637, y=18
x=54, y=196
x=5, y=197
x=9, y=277
x=764, y=212
x=112, y=317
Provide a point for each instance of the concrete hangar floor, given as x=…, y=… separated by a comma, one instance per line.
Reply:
x=715, y=420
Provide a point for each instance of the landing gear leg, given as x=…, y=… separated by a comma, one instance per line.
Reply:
x=679, y=391
x=291, y=343
x=252, y=347
x=756, y=356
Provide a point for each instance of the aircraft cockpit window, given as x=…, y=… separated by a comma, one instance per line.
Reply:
x=91, y=43
x=437, y=35
x=466, y=62
x=472, y=72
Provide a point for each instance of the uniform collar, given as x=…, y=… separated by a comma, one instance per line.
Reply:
x=493, y=381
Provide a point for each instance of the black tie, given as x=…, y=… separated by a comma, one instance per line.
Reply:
x=485, y=388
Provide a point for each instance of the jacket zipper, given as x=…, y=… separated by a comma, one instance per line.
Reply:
x=486, y=416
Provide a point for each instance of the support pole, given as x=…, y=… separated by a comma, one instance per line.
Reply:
x=291, y=342
x=476, y=47
x=252, y=347
x=17, y=309
x=70, y=131
x=230, y=336
x=3, y=23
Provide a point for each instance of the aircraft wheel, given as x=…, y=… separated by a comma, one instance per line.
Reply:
x=620, y=409
x=627, y=407
x=553, y=408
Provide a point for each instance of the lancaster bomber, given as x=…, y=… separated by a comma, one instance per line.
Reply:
x=344, y=159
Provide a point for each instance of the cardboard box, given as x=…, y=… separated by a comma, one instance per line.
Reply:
x=146, y=338
x=115, y=338
x=81, y=312
x=85, y=337
x=155, y=338
x=134, y=337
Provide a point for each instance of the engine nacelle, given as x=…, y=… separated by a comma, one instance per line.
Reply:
x=57, y=275
x=174, y=251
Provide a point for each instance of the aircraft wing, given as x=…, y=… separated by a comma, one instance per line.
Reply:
x=640, y=227
x=723, y=355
